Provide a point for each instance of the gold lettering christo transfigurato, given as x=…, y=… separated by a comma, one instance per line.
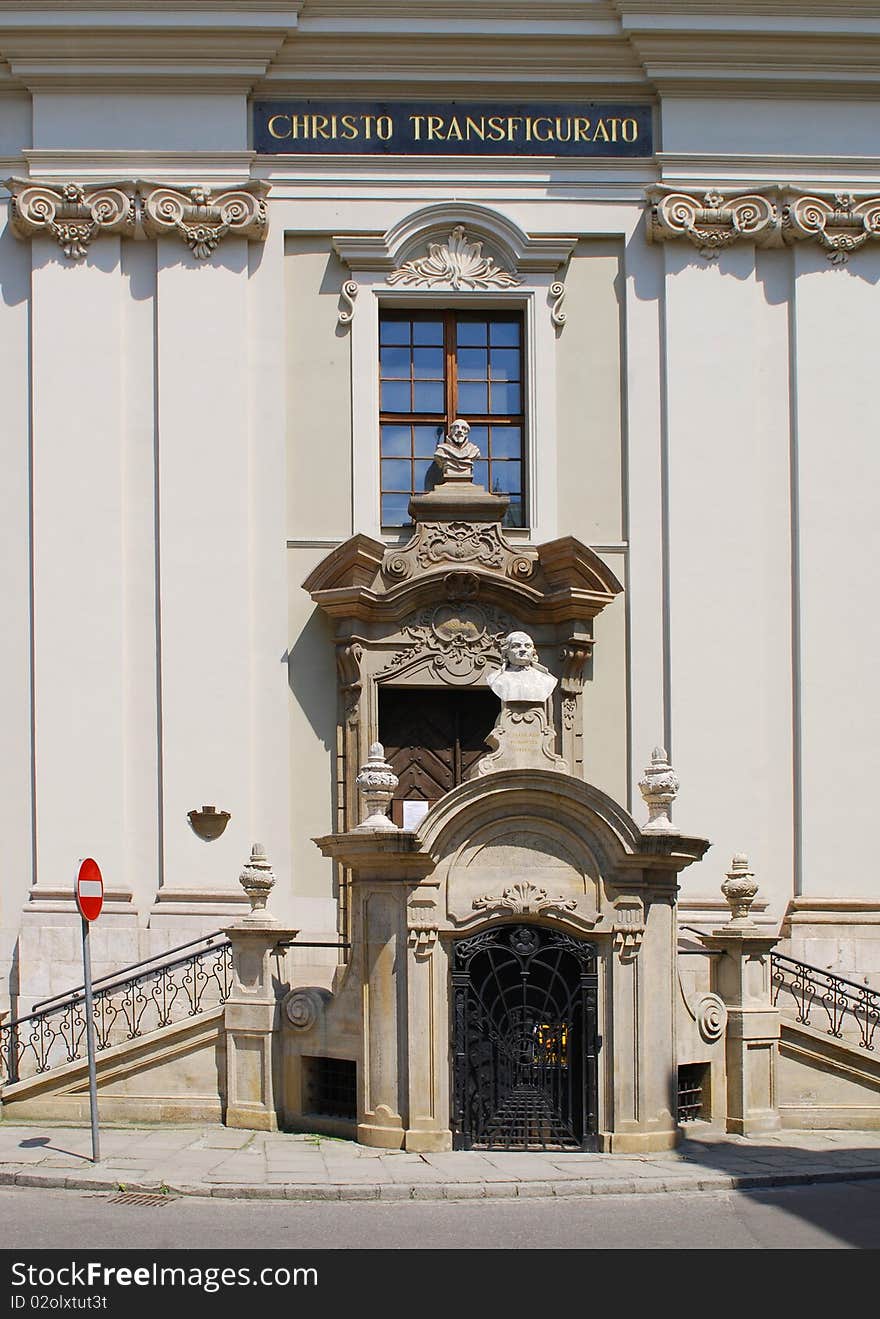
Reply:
x=453, y=128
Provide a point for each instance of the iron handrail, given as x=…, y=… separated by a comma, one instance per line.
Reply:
x=145, y=999
x=133, y=966
x=837, y=996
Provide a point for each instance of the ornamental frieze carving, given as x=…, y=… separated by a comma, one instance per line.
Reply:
x=458, y=263
x=523, y=899
x=75, y=214
x=464, y=543
x=459, y=638
x=202, y=217
x=712, y=221
x=840, y=222
x=72, y=214
x=840, y=225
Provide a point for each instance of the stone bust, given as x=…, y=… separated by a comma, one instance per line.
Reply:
x=455, y=455
x=521, y=677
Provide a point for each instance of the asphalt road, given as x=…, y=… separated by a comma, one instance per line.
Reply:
x=830, y=1216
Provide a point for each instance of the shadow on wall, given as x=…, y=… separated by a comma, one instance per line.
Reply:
x=311, y=676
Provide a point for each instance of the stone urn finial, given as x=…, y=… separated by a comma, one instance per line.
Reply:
x=659, y=787
x=739, y=889
x=376, y=783
x=258, y=880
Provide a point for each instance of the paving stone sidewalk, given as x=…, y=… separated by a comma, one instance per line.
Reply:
x=219, y=1162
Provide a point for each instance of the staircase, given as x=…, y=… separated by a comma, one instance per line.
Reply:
x=828, y=1068
x=158, y=1035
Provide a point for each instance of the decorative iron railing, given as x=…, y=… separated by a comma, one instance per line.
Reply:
x=843, y=1008
x=126, y=1005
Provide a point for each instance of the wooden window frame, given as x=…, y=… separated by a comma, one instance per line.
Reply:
x=451, y=318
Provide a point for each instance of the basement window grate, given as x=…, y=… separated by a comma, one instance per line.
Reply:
x=692, y=1079
x=330, y=1087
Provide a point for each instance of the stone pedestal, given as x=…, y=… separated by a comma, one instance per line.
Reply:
x=522, y=738
x=742, y=978
x=253, y=1097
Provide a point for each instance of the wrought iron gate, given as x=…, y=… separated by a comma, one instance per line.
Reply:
x=524, y=1040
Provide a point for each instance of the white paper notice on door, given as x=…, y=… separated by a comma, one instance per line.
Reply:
x=414, y=812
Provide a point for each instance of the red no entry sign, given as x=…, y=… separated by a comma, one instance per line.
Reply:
x=89, y=889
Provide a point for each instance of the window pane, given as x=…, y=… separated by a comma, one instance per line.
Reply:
x=473, y=364
x=395, y=512
x=481, y=473
x=472, y=398
x=396, y=474
x=426, y=439
x=394, y=332
x=395, y=441
x=505, y=397
x=514, y=516
x=424, y=473
x=505, y=364
x=395, y=362
x=471, y=332
x=428, y=332
x=479, y=435
x=506, y=442
x=428, y=397
x=428, y=363
x=506, y=477
x=395, y=396
x=504, y=334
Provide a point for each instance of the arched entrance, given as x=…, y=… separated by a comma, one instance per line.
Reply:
x=525, y=1042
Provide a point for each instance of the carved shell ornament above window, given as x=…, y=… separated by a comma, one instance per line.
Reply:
x=459, y=262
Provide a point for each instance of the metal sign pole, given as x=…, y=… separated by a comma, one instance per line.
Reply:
x=90, y=1040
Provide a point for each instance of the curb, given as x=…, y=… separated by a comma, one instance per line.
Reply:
x=446, y=1191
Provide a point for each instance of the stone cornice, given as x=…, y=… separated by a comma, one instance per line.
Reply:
x=75, y=214
x=227, y=44
x=713, y=218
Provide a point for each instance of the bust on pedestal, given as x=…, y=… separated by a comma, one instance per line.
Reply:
x=523, y=737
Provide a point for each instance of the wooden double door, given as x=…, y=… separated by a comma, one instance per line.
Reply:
x=432, y=740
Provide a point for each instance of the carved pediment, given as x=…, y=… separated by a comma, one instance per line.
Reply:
x=557, y=582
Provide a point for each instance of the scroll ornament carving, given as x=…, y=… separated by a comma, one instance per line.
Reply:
x=480, y=544
x=460, y=638
x=523, y=899
x=202, y=217
x=74, y=214
x=841, y=225
x=348, y=668
x=348, y=293
x=71, y=214
x=458, y=263
x=713, y=221
x=840, y=222
x=710, y=1013
x=557, y=292
x=628, y=928
x=303, y=1008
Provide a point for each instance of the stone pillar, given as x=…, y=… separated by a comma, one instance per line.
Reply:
x=428, y=1025
x=742, y=978
x=254, y=1094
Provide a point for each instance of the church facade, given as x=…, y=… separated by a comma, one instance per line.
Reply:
x=340, y=350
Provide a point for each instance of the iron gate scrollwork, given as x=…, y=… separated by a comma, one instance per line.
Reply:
x=525, y=1040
